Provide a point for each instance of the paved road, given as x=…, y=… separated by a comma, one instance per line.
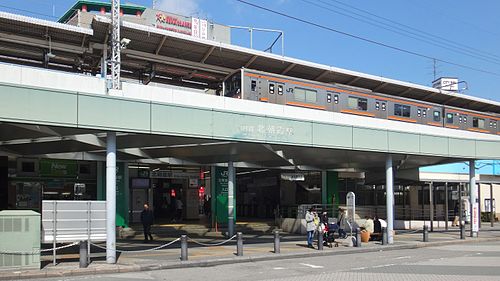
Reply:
x=458, y=262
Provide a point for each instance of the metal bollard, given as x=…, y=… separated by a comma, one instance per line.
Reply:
x=384, y=236
x=239, y=244
x=83, y=254
x=276, y=241
x=184, y=248
x=462, y=231
x=426, y=233
x=320, y=239
x=358, y=237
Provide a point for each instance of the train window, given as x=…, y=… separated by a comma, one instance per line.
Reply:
x=478, y=122
x=271, y=88
x=310, y=96
x=305, y=95
x=424, y=112
x=377, y=105
x=329, y=98
x=437, y=116
x=449, y=118
x=336, y=99
x=357, y=103
x=280, y=89
x=465, y=119
x=383, y=106
x=419, y=112
x=459, y=119
x=402, y=110
x=491, y=124
x=253, y=85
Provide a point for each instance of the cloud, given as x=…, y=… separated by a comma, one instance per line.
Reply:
x=180, y=7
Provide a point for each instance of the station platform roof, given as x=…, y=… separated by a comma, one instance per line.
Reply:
x=185, y=60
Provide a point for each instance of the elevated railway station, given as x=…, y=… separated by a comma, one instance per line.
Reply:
x=193, y=111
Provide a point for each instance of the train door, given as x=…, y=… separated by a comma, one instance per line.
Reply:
x=422, y=117
x=263, y=89
x=380, y=109
x=272, y=91
x=464, y=121
x=280, y=93
x=333, y=101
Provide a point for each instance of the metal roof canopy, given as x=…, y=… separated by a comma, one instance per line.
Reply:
x=40, y=141
x=177, y=59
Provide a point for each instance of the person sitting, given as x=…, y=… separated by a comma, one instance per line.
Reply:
x=377, y=230
x=368, y=225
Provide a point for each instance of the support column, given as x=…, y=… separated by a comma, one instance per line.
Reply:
x=111, y=198
x=230, y=198
x=473, y=199
x=389, y=187
x=446, y=206
x=492, y=214
x=431, y=205
x=324, y=189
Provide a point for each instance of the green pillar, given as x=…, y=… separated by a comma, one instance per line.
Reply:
x=330, y=190
x=219, y=180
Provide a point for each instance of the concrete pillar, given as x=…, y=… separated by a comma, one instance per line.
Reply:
x=111, y=198
x=324, y=189
x=492, y=214
x=473, y=199
x=389, y=187
x=431, y=205
x=230, y=198
x=446, y=206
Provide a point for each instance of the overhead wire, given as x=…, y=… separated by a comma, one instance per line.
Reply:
x=415, y=31
x=371, y=41
x=407, y=32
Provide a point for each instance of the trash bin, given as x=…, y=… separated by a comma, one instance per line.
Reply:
x=19, y=232
x=365, y=236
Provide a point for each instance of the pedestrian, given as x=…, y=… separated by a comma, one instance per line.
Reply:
x=455, y=215
x=310, y=226
x=147, y=220
x=178, y=206
x=340, y=223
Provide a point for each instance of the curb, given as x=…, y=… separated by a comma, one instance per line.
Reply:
x=107, y=269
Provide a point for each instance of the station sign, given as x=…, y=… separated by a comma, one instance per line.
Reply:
x=193, y=26
x=446, y=83
x=293, y=176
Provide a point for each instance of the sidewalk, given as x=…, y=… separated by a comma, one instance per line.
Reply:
x=257, y=247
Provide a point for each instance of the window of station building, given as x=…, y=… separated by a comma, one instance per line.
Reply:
x=449, y=118
x=280, y=89
x=271, y=88
x=253, y=85
x=478, y=122
x=357, y=103
x=402, y=110
x=437, y=116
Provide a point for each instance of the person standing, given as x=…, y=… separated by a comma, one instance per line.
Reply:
x=341, y=223
x=310, y=226
x=455, y=215
x=178, y=206
x=147, y=220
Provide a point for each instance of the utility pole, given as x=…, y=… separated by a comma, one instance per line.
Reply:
x=115, y=45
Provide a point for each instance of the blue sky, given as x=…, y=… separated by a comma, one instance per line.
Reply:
x=470, y=23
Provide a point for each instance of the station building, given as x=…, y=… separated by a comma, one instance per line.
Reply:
x=179, y=136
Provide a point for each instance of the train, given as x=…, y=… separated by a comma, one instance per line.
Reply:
x=261, y=86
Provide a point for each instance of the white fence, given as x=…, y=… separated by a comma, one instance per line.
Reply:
x=72, y=221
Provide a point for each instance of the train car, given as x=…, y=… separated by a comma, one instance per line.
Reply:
x=272, y=88
x=462, y=119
